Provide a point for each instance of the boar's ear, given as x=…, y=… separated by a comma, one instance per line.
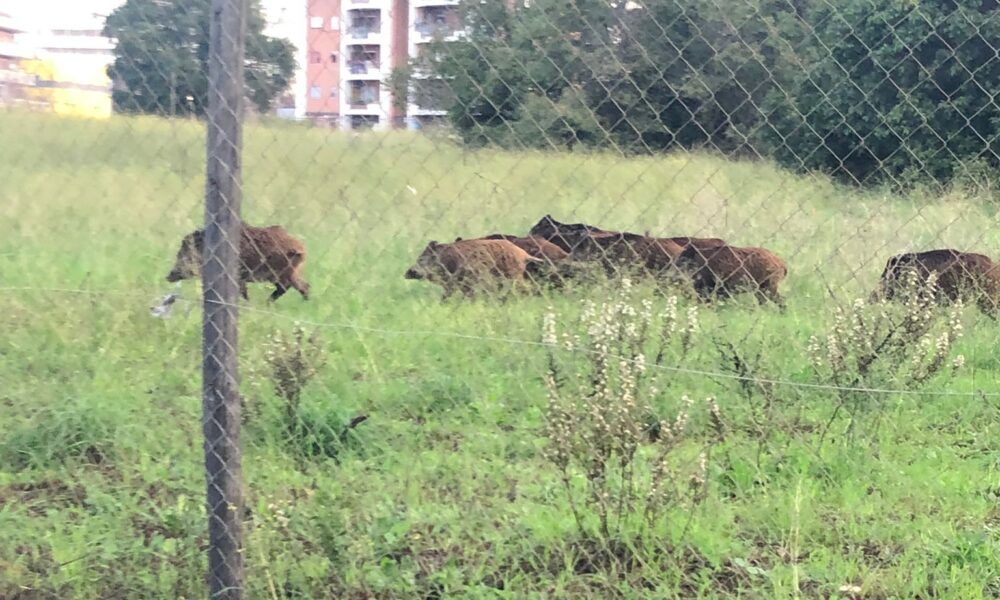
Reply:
x=458, y=239
x=432, y=244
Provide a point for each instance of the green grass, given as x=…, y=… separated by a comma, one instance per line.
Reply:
x=444, y=491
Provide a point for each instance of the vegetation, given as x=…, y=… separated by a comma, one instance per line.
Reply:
x=161, y=58
x=462, y=482
x=893, y=93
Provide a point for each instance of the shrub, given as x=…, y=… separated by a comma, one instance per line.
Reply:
x=601, y=395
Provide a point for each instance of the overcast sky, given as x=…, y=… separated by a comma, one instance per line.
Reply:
x=52, y=13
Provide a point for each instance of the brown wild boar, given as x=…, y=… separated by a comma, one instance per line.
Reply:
x=621, y=252
x=471, y=266
x=551, y=269
x=618, y=251
x=960, y=275
x=536, y=246
x=662, y=253
x=721, y=271
x=267, y=254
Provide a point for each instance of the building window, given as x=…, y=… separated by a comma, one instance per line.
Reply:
x=315, y=58
x=334, y=23
x=314, y=92
x=333, y=57
x=316, y=22
x=333, y=92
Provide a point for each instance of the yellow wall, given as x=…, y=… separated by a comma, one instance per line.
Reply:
x=67, y=73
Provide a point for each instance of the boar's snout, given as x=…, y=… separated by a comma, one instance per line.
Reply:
x=174, y=276
x=412, y=273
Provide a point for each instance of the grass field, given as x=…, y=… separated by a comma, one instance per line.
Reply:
x=445, y=491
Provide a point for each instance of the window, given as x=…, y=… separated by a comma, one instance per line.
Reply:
x=316, y=22
x=315, y=58
x=334, y=23
x=333, y=57
x=314, y=92
x=333, y=92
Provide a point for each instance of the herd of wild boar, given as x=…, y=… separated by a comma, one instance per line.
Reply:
x=553, y=253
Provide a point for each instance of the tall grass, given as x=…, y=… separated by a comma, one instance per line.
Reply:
x=445, y=491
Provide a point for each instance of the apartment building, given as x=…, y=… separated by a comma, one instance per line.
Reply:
x=353, y=48
x=429, y=96
x=373, y=43
x=323, y=62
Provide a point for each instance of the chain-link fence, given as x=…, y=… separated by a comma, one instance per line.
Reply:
x=710, y=310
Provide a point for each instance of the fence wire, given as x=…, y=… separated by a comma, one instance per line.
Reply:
x=710, y=308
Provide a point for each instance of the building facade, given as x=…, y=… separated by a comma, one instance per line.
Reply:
x=429, y=96
x=66, y=57
x=15, y=83
x=373, y=43
x=354, y=46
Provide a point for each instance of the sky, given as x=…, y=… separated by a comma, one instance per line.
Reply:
x=52, y=13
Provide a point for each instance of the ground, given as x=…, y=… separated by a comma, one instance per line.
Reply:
x=445, y=491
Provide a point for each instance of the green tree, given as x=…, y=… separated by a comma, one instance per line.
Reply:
x=598, y=73
x=891, y=90
x=161, y=58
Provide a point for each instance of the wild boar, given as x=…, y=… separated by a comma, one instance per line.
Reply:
x=564, y=235
x=960, y=275
x=536, y=246
x=267, y=254
x=552, y=268
x=619, y=251
x=722, y=271
x=472, y=266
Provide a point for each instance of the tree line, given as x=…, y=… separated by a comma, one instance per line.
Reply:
x=897, y=90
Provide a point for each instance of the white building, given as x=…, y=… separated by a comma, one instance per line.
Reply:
x=372, y=44
x=429, y=20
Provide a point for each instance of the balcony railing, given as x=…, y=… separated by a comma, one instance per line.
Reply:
x=362, y=67
x=431, y=29
x=363, y=100
x=364, y=31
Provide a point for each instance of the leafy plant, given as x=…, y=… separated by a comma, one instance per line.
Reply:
x=883, y=344
x=597, y=418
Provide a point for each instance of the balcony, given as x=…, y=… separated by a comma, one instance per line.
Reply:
x=364, y=24
x=365, y=60
x=437, y=22
x=364, y=96
x=363, y=67
x=363, y=33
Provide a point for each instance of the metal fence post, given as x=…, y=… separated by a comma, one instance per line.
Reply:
x=220, y=273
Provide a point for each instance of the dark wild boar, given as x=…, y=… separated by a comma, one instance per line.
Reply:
x=960, y=275
x=619, y=251
x=267, y=254
x=472, y=266
x=722, y=271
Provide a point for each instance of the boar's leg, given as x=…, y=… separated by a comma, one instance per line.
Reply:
x=301, y=286
x=243, y=290
x=279, y=291
x=767, y=293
